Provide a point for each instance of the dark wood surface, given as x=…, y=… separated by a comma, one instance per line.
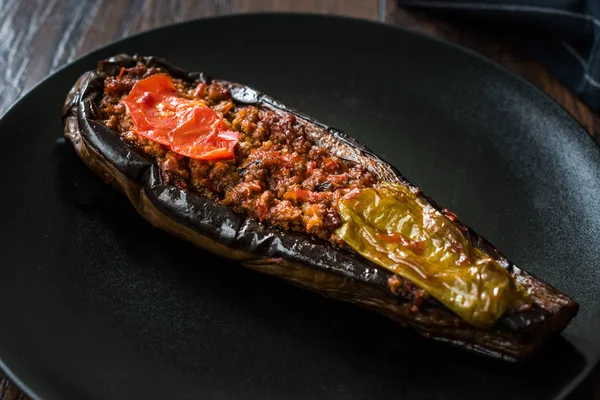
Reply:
x=39, y=36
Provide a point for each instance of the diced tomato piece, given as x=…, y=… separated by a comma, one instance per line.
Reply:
x=331, y=166
x=301, y=195
x=200, y=90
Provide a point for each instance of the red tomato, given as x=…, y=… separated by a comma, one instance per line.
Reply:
x=185, y=126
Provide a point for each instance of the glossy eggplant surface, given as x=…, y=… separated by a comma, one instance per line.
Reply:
x=524, y=314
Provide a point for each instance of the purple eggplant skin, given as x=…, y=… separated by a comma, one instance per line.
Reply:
x=302, y=260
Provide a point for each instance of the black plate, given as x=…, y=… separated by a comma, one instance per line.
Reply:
x=101, y=305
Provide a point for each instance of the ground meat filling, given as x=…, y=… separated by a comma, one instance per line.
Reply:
x=278, y=175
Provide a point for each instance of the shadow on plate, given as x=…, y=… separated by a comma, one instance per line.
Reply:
x=216, y=321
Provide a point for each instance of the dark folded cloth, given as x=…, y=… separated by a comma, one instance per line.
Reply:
x=564, y=35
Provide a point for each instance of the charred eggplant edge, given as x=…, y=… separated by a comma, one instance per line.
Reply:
x=302, y=260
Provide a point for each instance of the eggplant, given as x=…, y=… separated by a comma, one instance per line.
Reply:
x=305, y=261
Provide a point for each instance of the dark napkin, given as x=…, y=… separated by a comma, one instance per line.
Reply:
x=564, y=35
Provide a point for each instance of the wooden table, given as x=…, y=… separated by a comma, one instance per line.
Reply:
x=38, y=36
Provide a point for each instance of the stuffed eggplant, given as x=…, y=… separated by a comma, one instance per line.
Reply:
x=239, y=174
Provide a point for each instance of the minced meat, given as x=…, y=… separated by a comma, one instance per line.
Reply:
x=279, y=176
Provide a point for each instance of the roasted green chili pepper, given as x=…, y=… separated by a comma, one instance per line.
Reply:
x=393, y=227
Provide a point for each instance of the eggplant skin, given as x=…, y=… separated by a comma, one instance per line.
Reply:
x=297, y=258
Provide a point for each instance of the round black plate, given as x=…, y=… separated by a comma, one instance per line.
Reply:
x=98, y=304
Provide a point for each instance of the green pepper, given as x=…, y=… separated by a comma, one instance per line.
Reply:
x=393, y=227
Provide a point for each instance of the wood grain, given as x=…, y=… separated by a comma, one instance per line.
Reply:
x=39, y=36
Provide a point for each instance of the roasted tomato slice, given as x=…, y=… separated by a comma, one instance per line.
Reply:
x=187, y=127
